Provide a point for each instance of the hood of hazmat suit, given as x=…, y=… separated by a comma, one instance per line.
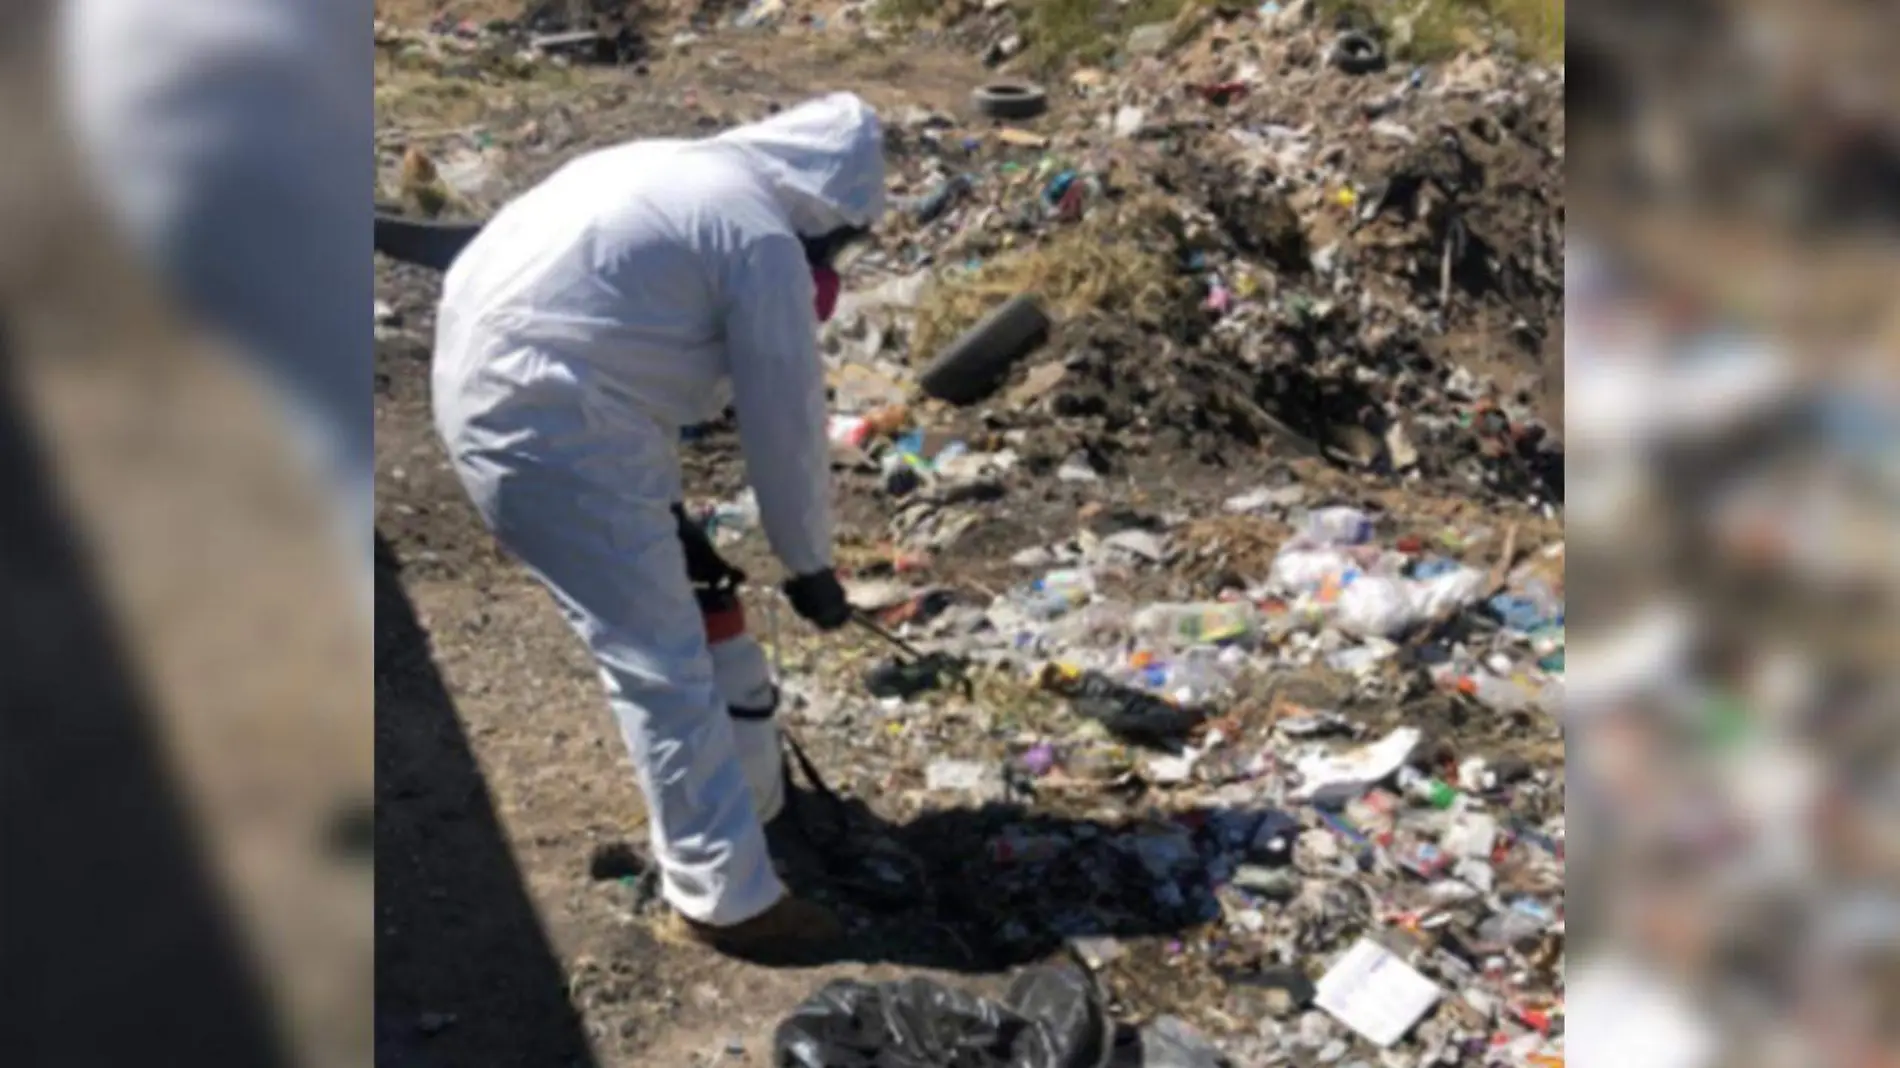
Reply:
x=591, y=319
x=825, y=160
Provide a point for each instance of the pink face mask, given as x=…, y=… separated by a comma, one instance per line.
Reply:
x=828, y=284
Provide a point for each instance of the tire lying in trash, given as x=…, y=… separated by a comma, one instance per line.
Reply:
x=1358, y=53
x=976, y=363
x=422, y=242
x=1010, y=100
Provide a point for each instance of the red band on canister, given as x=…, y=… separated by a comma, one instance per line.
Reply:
x=725, y=624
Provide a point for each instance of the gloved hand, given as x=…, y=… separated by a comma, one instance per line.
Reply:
x=819, y=599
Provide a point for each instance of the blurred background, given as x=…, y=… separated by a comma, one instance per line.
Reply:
x=1731, y=350
x=185, y=712
x=185, y=703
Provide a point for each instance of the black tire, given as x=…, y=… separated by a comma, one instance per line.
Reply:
x=422, y=242
x=975, y=364
x=1010, y=100
x=1358, y=53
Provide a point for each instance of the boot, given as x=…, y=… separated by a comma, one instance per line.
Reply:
x=793, y=932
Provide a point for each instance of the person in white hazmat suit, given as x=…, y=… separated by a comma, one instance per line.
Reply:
x=591, y=320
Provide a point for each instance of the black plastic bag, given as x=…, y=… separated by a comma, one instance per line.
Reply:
x=1051, y=1018
x=1132, y=714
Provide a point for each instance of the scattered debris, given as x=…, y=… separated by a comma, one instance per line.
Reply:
x=1185, y=425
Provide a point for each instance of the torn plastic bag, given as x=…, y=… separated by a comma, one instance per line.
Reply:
x=1052, y=1017
x=1132, y=714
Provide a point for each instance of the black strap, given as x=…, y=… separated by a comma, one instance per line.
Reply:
x=818, y=784
x=755, y=715
x=842, y=856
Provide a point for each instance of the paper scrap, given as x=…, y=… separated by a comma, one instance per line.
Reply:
x=1333, y=778
x=1375, y=993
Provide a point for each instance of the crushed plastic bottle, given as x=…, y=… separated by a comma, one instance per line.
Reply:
x=1198, y=675
x=728, y=521
x=1424, y=788
x=1296, y=569
x=1058, y=593
x=1336, y=526
x=1203, y=623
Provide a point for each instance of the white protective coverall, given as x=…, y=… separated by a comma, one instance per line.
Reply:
x=591, y=320
x=233, y=141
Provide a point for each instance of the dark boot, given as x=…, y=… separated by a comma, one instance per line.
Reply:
x=792, y=932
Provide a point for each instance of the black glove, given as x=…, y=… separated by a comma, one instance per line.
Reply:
x=819, y=599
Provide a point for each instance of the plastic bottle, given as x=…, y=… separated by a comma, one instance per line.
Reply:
x=1094, y=625
x=1296, y=569
x=1424, y=788
x=1510, y=928
x=1203, y=623
x=1500, y=695
x=1337, y=526
x=1196, y=676
x=1058, y=593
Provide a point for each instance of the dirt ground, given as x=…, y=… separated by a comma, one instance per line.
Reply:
x=500, y=773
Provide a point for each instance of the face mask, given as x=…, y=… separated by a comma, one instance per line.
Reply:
x=828, y=284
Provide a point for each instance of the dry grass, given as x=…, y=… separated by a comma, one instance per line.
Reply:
x=424, y=100
x=1057, y=33
x=1118, y=262
x=1439, y=29
x=1064, y=33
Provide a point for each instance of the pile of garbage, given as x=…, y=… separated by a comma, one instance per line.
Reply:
x=1159, y=788
x=1315, y=805
x=546, y=32
x=1239, y=248
x=1246, y=533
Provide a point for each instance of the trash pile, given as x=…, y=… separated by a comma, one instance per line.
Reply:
x=1199, y=417
x=546, y=33
x=1269, y=759
x=1368, y=271
x=1163, y=794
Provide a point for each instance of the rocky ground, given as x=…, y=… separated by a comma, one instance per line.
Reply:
x=1280, y=290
